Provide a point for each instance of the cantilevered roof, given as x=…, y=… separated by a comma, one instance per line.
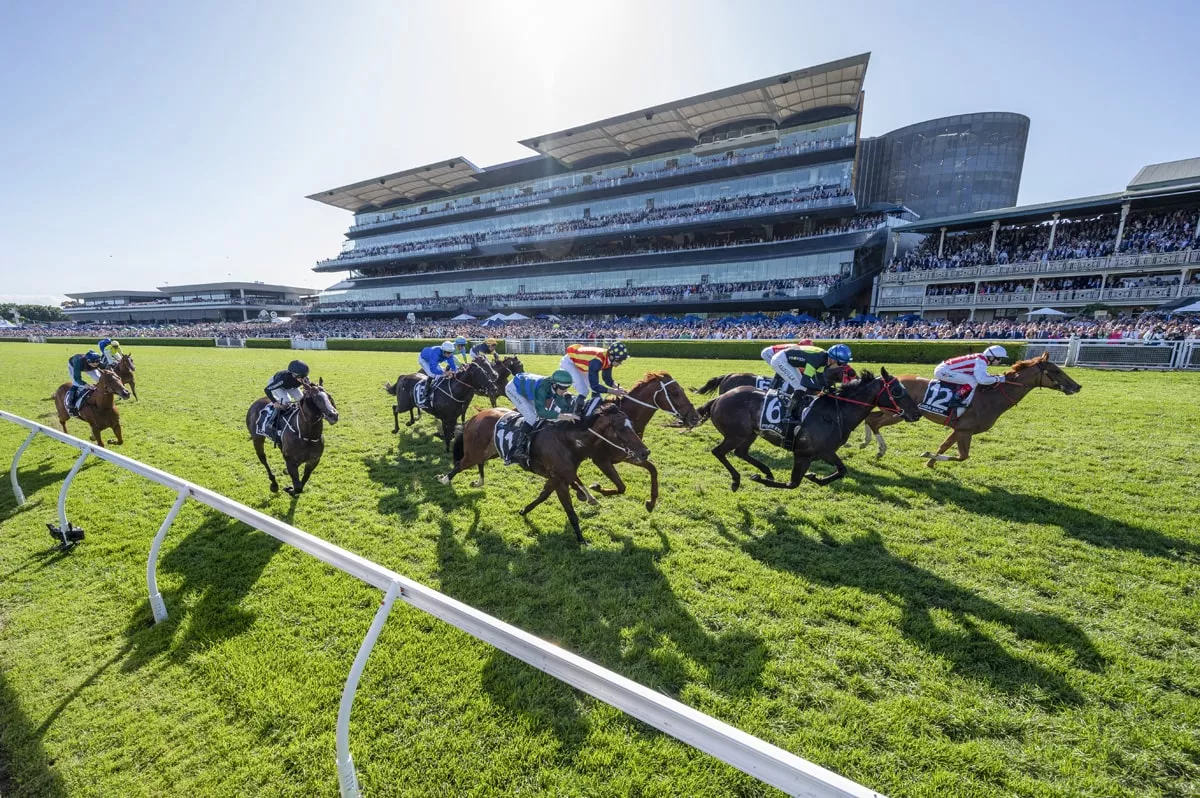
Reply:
x=407, y=186
x=1167, y=175
x=234, y=286
x=116, y=294
x=837, y=84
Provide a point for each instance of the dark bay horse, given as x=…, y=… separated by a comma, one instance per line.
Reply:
x=125, y=369
x=724, y=383
x=990, y=402
x=829, y=423
x=97, y=409
x=303, y=440
x=500, y=372
x=451, y=397
x=555, y=452
x=656, y=391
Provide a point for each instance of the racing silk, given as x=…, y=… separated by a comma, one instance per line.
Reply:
x=282, y=381
x=434, y=356
x=972, y=366
x=78, y=365
x=810, y=361
x=539, y=391
x=777, y=348
x=481, y=350
x=593, y=361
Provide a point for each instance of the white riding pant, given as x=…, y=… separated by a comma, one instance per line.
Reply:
x=947, y=374
x=783, y=368
x=767, y=354
x=578, y=378
x=430, y=370
x=523, y=405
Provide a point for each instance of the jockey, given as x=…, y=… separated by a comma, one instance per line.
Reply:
x=284, y=389
x=432, y=357
x=538, y=398
x=803, y=367
x=77, y=366
x=483, y=349
x=588, y=364
x=967, y=371
x=110, y=351
x=460, y=347
x=769, y=352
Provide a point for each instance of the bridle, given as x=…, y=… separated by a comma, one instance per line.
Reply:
x=625, y=451
x=886, y=387
x=653, y=403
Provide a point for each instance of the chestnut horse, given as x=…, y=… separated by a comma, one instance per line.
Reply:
x=829, y=423
x=657, y=391
x=303, y=440
x=555, y=452
x=124, y=369
x=97, y=409
x=988, y=405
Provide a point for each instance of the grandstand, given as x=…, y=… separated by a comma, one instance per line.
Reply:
x=739, y=199
x=1133, y=251
x=213, y=302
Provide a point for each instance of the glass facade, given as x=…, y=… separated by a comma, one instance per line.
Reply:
x=943, y=167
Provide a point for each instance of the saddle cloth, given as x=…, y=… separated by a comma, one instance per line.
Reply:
x=938, y=398
x=763, y=383
x=510, y=431
x=272, y=429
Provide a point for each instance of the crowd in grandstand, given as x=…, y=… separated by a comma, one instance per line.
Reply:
x=1145, y=232
x=673, y=214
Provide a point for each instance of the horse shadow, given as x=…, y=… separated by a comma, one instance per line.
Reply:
x=613, y=607
x=25, y=767
x=410, y=486
x=218, y=563
x=864, y=563
x=1024, y=508
x=32, y=481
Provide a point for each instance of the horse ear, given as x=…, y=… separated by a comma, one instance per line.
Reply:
x=321, y=381
x=883, y=373
x=1045, y=356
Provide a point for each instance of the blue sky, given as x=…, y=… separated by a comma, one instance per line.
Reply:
x=148, y=143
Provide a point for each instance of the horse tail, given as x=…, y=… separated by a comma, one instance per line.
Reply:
x=712, y=384
x=390, y=387
x=705, y=410
x=459, y=447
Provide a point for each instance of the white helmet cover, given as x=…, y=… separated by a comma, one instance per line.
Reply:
x=995, y=351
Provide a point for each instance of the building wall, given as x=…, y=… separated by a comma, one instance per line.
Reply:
x=942, y=167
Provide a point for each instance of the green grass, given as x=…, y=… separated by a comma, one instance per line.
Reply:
x=1022, y=624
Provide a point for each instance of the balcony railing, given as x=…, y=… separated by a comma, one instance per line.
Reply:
x=1185, y=257
x=1080, y=296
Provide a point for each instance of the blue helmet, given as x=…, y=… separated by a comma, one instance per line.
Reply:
x=92, y=356
x=840, y=353
x=460, y=341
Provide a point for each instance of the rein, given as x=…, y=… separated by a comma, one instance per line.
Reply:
x=296, y=428
x=617, y=446
x=653, y=403
x=894, y=409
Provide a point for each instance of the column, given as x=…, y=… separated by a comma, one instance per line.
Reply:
x=1121, y=227
x=1182, y=281
x=1053, y=230
x=895, y=246
x=941, y=242
x=995, y=229
x=1034, y=290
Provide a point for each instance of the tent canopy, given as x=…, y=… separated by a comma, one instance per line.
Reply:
x=1047, y=312
x=1192, y=308
x=513, y=317
x=909, y=317
x=463, y=317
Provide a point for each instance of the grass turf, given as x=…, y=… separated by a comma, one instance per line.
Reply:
x=1024, y=623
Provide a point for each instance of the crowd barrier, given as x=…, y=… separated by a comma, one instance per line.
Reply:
x=766, y=762
x=1102, y=353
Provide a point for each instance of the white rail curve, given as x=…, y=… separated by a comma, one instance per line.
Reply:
x=749, y=754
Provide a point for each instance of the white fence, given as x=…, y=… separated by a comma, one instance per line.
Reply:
x=308, y=343
x=226, y=342
x=749, y=754
x=1105, y=354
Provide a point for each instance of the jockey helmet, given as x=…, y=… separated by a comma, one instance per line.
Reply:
x=804, y=342
x=299, y=368
x=840, y=353
x=561, y=377
x=115, y=344
x=460, y=341
x=448, y=347
x=618, y=352
x=92, y=356
x=995, y=352
x=491, y=342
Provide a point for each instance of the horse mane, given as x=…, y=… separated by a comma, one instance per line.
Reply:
x=864, y=376
x=651, y=377
x=1021, y=365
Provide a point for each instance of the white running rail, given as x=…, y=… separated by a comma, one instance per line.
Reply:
x=753, y=756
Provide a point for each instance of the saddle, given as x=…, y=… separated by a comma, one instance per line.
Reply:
x=512, y=437
x=945, y=398
x=423, y=392
x=75, y=399
x=777, y=422
x=271, y=424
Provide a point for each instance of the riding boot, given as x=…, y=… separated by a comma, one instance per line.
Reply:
x=777, y=383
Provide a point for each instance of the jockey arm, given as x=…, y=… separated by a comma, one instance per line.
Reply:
x=547, y=404
x=595, y=373
x=981, y=373
x=451, y=363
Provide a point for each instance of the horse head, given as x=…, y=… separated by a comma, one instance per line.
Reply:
x=475, y=376
x=513, y=364
x=320, y=400
x=128, y=361
x=897, y=399
x=109, y=382
x=662, y=391
x=615, y=429
x=1040, y=372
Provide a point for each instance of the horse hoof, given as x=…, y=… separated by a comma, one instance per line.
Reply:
x=734, y=486
x=291, y=491
x=442, y=478
x=522, y=513
x=476, y=484
x=927, y=454
x=274, y=488
x=650, y=505
x=592, y=500
x=594, y=486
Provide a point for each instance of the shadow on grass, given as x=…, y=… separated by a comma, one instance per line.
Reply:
x=613, y=607
x=25, y=768
x=865, y=563
x=32, y=481
x=218, y=565
x=1025, y=508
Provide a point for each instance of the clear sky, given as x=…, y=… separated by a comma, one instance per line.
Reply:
x=144, y=143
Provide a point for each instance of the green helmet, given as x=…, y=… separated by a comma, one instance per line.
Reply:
x=561, y=378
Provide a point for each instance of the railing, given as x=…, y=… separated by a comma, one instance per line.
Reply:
x=749, y=754
x=1190, y=290
x=1072, y=296
x=1181, y=258
x=1119, y=354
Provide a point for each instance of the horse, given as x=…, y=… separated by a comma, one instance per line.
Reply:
x=830, y=421
x=501, y=370
x=303, y=439
x=724, y=383
x=656, y=391
x=124, y=370
x=555, y=452
x=990, y=402
x=97, y=409
x=451, y=397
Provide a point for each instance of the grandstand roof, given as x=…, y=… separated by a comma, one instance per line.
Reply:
x=117, y=295
x=837, y=84
x=407, y=186
x=1170, y=174
x=234, y=286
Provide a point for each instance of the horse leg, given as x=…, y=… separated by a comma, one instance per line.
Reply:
x=609, y=470
x=448, y=431
x=719, y=451
x=946, y=444
x=133, y=388
x=479, y=482
x=547, y=489
x=582, y=492
x=97, y=433
x=834, y=461
x=800, y=465
x=564, y=497
x=116, y=428
x=308, y=469
x=262, y=458
x=395, y=419
x=293, y=472
x=743, y=453
x=964, y=448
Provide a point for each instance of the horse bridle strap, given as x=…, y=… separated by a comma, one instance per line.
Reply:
x=617, y=446
x=662, y=388
x=894, y=409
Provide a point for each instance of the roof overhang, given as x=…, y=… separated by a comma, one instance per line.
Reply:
x=410, y=185
x=837, y=84
x=232, y=286
x=84, y=295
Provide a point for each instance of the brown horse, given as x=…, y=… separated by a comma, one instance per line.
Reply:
x=124, y=370
x=988, y=405
x=829, y=423
x=451, y=397
x=724, y=383
x=657, y=391
x=97, y=410
x=555, y=452
x=303, y=440
x=499, y=372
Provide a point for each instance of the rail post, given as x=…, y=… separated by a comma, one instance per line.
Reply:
x=65, y=531
x=156, y=600
x=12, y=472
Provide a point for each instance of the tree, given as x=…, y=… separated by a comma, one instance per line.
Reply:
x=33, y=312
